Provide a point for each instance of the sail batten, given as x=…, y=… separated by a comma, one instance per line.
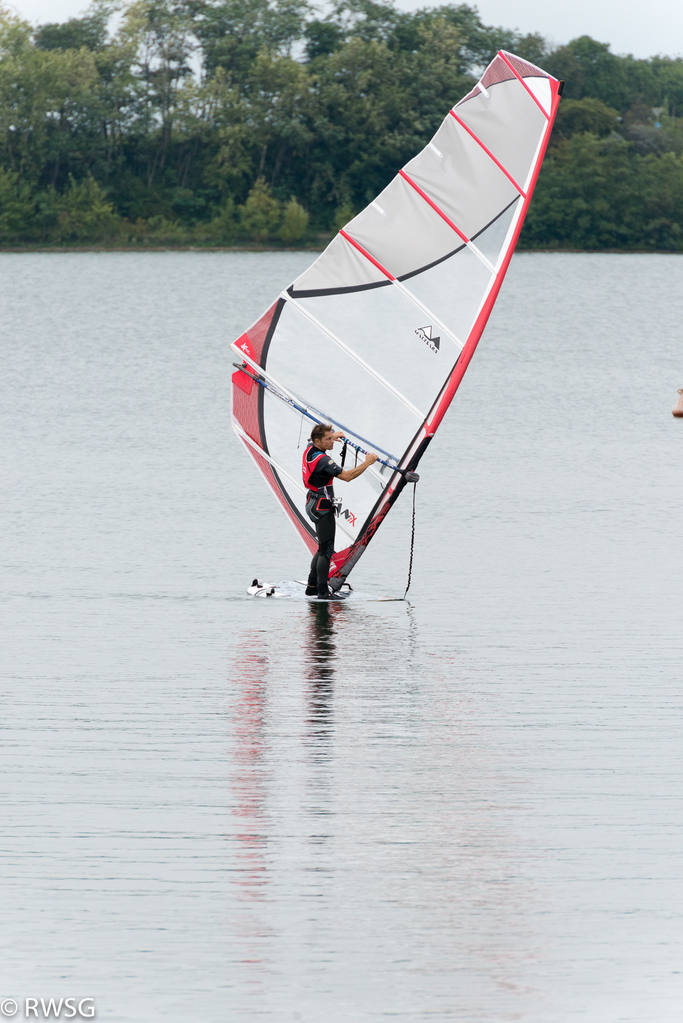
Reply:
x=420, y=191
x=406, y=291
x=364, y=252
x=454, y=227
x=363, y=331
x=488, y=152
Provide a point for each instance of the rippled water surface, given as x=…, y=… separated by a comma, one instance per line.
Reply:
x=463, y=807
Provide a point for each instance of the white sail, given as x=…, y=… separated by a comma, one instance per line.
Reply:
x=376, y=335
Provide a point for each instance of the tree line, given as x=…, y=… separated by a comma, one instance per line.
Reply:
x=231, y=121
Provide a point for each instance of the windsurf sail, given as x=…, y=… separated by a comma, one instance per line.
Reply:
x=376, y=335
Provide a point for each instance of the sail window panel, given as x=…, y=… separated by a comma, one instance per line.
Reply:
x=464, y=181
x=358, y=498
x=541, y=90
x=401, y=230
x=287, y=440
x=384, y=328
x=340, y=266
x=454, y=289
x=493, y=241
x=283, y=428
x=509, y=124
x=304, y=359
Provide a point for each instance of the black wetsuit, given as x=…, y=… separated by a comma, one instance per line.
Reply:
x=321, y=512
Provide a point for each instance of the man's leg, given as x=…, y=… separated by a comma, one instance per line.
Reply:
x=312, y=582
x=325, y=529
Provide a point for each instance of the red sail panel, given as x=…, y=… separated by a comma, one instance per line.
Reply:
x=248, y=415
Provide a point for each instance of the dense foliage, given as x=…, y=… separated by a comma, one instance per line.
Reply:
x=224, y=121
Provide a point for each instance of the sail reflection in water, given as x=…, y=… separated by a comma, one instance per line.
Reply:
x=248, y=780
x=373, y=821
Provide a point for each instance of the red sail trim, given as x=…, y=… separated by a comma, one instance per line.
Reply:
x=520, y=79
x=503, y=70
x=255, y=337
x=338, y=560
x=246, y=398
x=525, y=69
x=496, y=73
x=367, y=255
x=436, y=209
x=243, y=381
x=463, y=362
x=488, y=152
x=239, y=379
x=245, y=408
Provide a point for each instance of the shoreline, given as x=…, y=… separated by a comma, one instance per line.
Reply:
x=256, y=247
x=95, y=247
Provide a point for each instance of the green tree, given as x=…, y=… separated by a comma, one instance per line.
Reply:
x=668, y=73
x=17, y=208
x=376, y=107
x=227, y=119
x=589, y=68
x=588, y=114
x=81, y=213
x=660, y=190
x=294, y=222
x=232, y=33
x=342, y=215
x=322, y=38
x=161, y=33
x=46, y=107
x=601, y=194
x=74, y=34
x=222, y=228
x=265, y=124
x=260, y=215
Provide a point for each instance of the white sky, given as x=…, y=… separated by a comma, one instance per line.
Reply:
x=630, y=26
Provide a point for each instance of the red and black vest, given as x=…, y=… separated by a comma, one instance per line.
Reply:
x=309, y=467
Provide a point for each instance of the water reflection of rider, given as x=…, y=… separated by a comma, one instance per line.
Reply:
x=321, y=652
x=318, y=472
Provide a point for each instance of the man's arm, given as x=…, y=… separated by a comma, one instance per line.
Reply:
x=346, y=475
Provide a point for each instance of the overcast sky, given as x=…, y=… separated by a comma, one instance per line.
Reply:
x=630, y=26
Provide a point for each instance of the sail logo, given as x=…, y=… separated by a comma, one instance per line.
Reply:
x=243, y=380
x=349, y=516
x=425, y=334
x=244, y=345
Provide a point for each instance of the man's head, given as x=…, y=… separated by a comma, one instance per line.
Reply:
x=321, y=435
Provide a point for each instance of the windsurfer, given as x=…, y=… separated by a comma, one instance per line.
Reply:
x=318, y=471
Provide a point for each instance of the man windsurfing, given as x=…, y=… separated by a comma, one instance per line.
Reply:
x=318, y=471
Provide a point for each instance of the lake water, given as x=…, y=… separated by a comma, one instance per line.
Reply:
x=465, y=807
